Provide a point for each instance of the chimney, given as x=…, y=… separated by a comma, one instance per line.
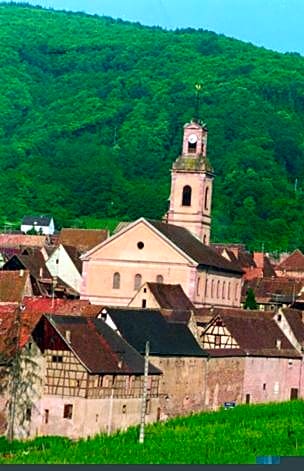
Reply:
x=278, y=344
x=68, y=335
x=258, y=258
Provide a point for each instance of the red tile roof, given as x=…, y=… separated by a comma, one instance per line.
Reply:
x=256, y=332
x=22, y=240
x=283, y=290
x=170, y=296
x=13, y=285
x=295, y=262
x=82, y=239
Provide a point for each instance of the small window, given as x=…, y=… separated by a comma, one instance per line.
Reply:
x=140, y=245
x=212, y=288
x=29, y=346
x=247, y=400
x=186, y=200
x=96, y=417
x=264, y=386
x=124, y=409
x=144, y=303
x=148, y=406
x=46, y=416
x=159, y=279
x=137, y=281
x=192, y=147
x=145, y=290
x=116, y=280
x=279, y=317
x=68, y=411
x=198, y=286
x=205, y=239
x=217, y=340
x=224, y=290
x=57, y=358
x=28, y=414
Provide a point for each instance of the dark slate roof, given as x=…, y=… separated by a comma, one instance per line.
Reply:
x=138, y=326
x=170, y=296
x=194, y=248
x=98, y=347
x=294, y=318
x=37, y=220
x=256, y=332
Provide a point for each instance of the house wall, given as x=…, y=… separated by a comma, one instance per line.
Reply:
x=224, y=380
x=271, y=379
x=122, y=255
x=45, y=230
x=64, y=269
x=290, y=273
x=217, y=289
x=89, y=416
x=182, y=385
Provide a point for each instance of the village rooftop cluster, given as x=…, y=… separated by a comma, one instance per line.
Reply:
x=79, y=307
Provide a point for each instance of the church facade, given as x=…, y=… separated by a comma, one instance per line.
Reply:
x=173, y=251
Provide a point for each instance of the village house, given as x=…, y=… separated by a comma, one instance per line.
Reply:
x=173, y=349
x=292, y=266
x=250, y=359
x=64, y=263
x=175, y=251
x=40, y=224
x=93, y=379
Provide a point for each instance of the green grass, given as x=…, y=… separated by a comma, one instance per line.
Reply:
x=226, y=437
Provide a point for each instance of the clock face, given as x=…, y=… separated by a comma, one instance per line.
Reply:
x=192, y=138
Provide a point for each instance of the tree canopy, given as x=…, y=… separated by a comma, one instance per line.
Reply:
x=92, y=111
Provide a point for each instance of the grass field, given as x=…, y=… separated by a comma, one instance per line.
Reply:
x=228, y=436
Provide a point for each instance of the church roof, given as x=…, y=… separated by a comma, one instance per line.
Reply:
x=194, y=248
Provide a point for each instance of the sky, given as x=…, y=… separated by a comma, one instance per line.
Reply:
x=274, y=24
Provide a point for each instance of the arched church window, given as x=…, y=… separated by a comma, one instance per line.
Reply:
x=218, y=289
x=159, y=279
x=198, y=286
x=206, y=198
x=205, y=239
x=212, y=288
x=229, y=290
x=187, y=190
x=224, y=290
x=116, y=280
x=137, y=281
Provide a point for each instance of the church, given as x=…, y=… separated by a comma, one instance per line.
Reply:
x=175, y=250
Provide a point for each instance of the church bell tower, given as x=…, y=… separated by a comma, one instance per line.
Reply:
x=191, y=184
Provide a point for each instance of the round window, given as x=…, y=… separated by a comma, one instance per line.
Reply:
x=140, y=245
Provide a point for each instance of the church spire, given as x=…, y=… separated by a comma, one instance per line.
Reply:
x=191, y=184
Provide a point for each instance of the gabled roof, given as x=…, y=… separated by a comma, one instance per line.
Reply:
x=37, y=220
x=256, y=332
x=82, y=239
x=137, y=326
x=170, y=296
x=295, y=262
x=99, y=348
x=74, y=255
x=12, y=285
x=294, y=318
x=194, y=248
x=34, y=262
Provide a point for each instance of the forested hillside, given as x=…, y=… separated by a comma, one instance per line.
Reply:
x=91, y=116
